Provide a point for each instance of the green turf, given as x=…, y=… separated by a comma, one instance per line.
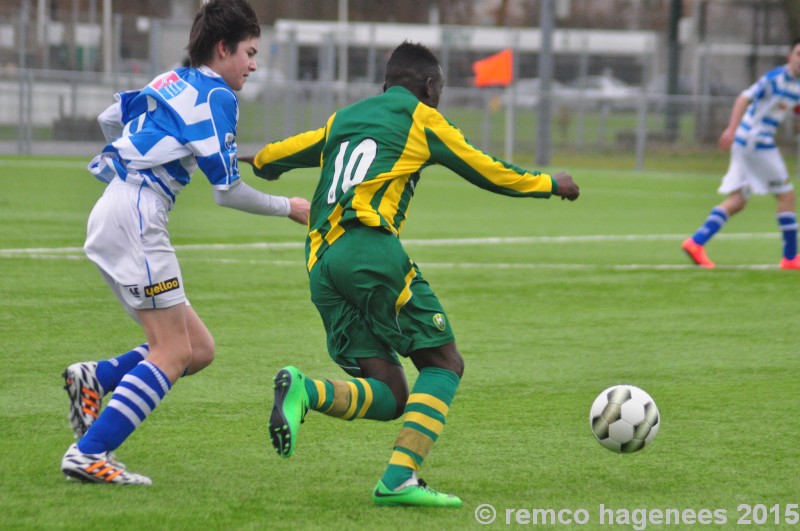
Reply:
x=581, y=296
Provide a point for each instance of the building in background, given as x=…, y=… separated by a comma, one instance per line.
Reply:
x=318, y=54
x=148, y=35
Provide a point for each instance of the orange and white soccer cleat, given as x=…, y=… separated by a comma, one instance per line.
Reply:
x=85, y=396
x=97, y=468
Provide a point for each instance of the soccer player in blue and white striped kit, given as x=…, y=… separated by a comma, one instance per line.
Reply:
x=184, y=119
x=756, y=165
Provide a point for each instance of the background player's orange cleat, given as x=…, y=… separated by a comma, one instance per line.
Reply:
x=794, y=263
x=697, y=253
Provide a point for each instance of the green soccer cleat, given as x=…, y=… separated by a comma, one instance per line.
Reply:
x=289, y=409
x=420, y=495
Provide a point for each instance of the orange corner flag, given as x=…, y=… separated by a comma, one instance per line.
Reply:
x=495, y=70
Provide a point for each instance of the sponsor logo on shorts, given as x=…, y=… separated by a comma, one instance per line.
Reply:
x=438, y=320
x=162, y=287
x=133, y=289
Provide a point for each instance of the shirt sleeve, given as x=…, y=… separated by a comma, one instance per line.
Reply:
x=128, y=106
x=755, y=90
x=215, y=149
x=450, y=148
x=243, y=197
x=299, y=151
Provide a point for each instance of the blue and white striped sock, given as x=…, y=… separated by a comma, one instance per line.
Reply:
x=136, y=396
x=715, y=221
x=110, y=372
x=787, y=221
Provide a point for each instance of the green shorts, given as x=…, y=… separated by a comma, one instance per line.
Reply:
x=373, y=300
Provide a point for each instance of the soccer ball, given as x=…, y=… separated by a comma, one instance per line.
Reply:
x=624, y=418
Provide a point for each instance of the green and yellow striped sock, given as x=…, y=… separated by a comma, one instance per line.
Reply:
x=423, y=422
x=366, y=398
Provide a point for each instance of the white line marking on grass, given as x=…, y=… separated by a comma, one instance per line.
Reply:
x=496, y=266
x=76, y=253
x=47, y=256
x=439, y=242
x=441, y=265
x=575, y=239
x=40, y=250
x=39, y=163
x=617, y=267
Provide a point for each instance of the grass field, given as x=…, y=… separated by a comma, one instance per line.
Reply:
x=551, y=302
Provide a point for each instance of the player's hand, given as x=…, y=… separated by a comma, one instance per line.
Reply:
x=300, y=209
x=259, y=172
x=727, y=138
x=567, y=188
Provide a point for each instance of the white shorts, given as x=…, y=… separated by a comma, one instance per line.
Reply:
x=755, y=171
x=127, y=240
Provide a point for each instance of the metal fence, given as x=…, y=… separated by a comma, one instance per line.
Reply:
x=58, y=70
x=46, y=112
x=51, y=89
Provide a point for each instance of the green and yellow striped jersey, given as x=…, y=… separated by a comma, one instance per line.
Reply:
x=371, y=154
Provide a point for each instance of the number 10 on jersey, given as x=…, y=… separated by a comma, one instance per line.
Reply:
x=355, y=170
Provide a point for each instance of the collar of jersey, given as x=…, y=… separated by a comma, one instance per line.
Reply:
x=207, y=71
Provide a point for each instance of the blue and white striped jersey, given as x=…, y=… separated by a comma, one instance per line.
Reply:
x=159, y=135
x=774, y=95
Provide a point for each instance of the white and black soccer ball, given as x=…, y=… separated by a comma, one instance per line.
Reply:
x=624, y=418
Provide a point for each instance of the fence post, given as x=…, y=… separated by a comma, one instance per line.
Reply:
x=24, y=125
x=546, y=67
x=511, y=102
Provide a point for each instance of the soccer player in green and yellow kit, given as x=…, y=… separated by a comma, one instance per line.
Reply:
x=373, y=300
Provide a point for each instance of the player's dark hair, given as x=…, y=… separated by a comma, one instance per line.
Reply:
x=229, y=21
x=410, y=65
x=795, y=42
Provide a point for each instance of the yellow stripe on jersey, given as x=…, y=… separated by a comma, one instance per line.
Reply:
x=405, y=295
x=414, y=155
x=290, y=146
x=314, y=241
x=489, y=169
x=315, y=237
x=362, y=202
x=430, y=401
x=391, y=199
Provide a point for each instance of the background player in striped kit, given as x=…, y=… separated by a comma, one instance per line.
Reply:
x=373, y=299
x=158, y=136
x=756, y=165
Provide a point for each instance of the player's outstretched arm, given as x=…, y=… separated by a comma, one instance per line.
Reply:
x=299, y=151
x=243, y=197
x=299, y=206
x=567, y=188
x=259, y=172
